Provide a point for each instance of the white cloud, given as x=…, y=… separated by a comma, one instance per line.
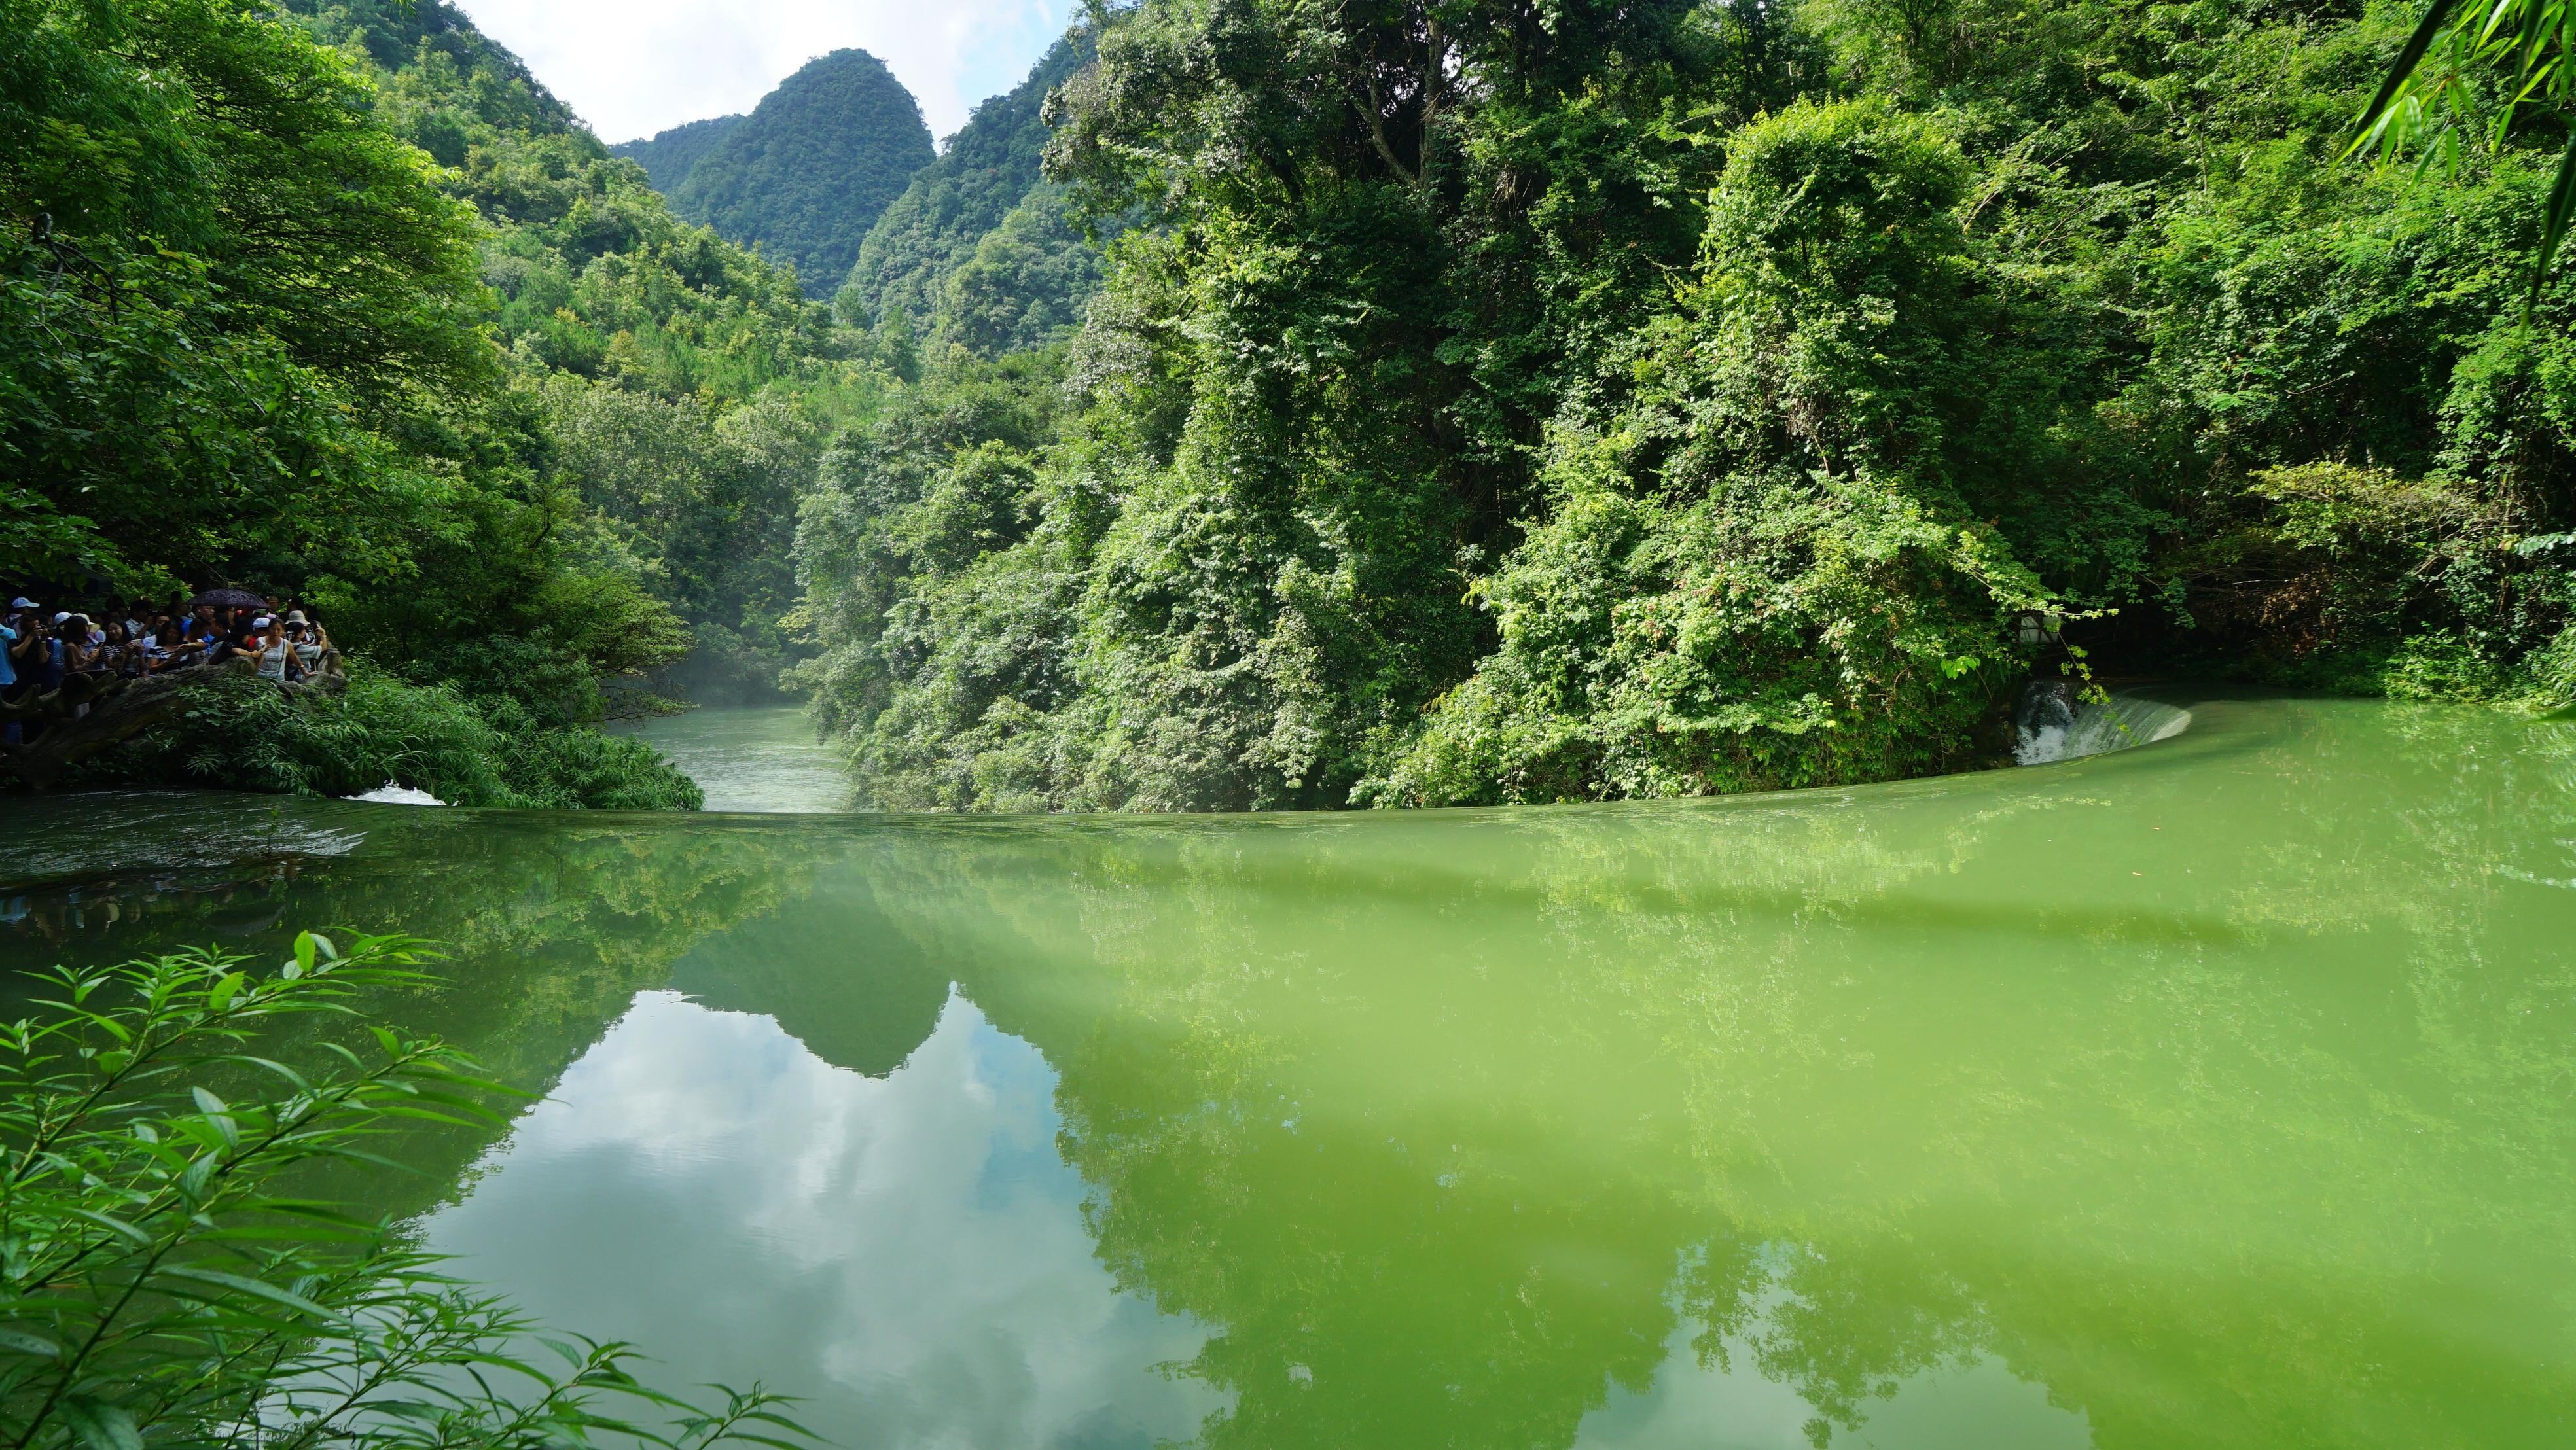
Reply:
x=907, y=1253
x=635, y=67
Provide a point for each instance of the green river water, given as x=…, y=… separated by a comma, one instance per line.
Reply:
x=2220, y=1092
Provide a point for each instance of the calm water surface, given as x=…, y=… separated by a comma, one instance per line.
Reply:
x=2216, y=1093
x=762, y=759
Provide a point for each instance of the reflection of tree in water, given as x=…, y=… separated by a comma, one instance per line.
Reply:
x=551, y=925
x=2221, y=1091
x=72, y=918
x=2111, y=1075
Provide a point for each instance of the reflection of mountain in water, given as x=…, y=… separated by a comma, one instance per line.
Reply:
x=906, y=1252
x=832, y=970
x=2208, y=1095
x=550, y=922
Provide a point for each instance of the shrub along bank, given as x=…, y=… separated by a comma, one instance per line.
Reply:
x=241, y=733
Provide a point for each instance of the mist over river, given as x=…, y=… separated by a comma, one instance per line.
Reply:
x=2217, y=1092
x=763, y=759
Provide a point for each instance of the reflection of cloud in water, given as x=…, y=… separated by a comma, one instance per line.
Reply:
x=1702, y=1406
x=906, y=1252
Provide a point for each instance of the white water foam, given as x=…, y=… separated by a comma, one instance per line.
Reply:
x=390, y=794
x=2051, y=725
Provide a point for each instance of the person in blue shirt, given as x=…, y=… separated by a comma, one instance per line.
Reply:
x=21, y=609
x=34, y=664
x=9, y=674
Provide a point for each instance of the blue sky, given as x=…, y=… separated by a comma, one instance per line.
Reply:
x=634, y=67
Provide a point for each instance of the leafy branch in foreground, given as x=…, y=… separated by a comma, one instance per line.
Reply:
x=158, y=1287
x=2438, y=88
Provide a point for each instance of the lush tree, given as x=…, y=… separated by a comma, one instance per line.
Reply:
x=258, y=265
x=1642, y=399
x=1772, y=566
x=1026, y=284
x=227, y=295
x=621, y=321
x=1309, y=396
x=614, y=313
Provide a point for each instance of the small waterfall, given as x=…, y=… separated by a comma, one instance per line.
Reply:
x=2053, y=723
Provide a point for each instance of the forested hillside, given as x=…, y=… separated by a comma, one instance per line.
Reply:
x=514, y=428
x=684, y=388
x=811, y=168
x=1667, y=398
x=987, y=194
x=667, y=156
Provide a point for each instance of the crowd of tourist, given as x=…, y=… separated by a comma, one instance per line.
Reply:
x=42, y=650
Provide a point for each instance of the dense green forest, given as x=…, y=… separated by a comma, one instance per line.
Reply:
x=980, y=249
x=666, y=156
x=1258, y=408
x=335, y=300
x=1495, y=405
x=812, y=167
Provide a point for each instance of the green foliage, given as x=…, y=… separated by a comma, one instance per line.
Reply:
x=688, y=345
x=667, y=156
x=702, y=498
x=951, y=204
x=2469, y=69
x=1305, y=402
x=241, y=733
x=1765, y=571
x=225, y=292
x=903, y=547
x=260, y=354
x=1025, y=284
x=257, y=266
x=165, y=1285
x=1670, y=399
x=1665, y=398
x=810, y=169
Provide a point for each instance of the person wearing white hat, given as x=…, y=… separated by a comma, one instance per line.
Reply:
x=312, y=641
